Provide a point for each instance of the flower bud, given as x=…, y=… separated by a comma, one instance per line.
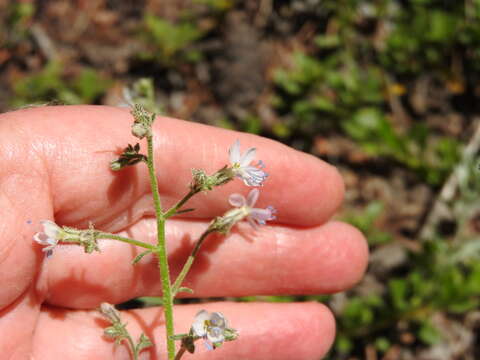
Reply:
x=140, y=130
x=116, y=165
x=109, y=312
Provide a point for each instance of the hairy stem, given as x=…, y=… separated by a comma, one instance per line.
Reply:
x=188, y=264
x=125, y=240
x=132, y=345
x=161, y=252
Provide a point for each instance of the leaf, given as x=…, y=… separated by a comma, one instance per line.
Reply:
x=185, y=289
x=343, y=344
x=429, y=334
x=183, y=211
x=143, y=342
x=398, y=293
x=140, y=256
x=151, y=300
x=327, y=41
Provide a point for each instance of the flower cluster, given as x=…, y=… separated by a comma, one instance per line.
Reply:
x=212, y=327
x=240, y=166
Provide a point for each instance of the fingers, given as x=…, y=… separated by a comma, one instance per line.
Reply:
x=266, y=332
x=17, y=323
x=272, y=260
x=19, y=262
x=77, y=143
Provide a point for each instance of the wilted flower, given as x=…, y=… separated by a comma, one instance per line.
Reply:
x=211, y=327
x=51, y=235
x=251, y=175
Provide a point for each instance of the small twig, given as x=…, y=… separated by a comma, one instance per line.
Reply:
x=44, y=42
x=264, y=10
x=188, y=264
x=180, y=353
x=449, y=189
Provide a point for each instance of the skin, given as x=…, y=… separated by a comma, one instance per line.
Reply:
x=55, y=165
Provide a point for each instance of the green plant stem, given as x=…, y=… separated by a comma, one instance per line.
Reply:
x=132, y=345
x=126, y=240
x=188, y=264
x=161, y=252
x=173, y=210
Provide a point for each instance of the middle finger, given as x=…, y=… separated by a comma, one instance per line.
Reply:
x=272, y=260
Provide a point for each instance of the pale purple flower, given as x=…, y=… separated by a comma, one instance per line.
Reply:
x=211, y=327
x=255, y=216
x=251, y=175
x=50, y=236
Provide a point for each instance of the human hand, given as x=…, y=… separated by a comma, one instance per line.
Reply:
x=55, y=165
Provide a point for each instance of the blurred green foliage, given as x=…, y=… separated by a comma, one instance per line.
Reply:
x=429, y=33
x=216, y=5
x=50, y=84
x=16, y=27
x=366, y=221
x=142, y=92
x=170, y=42
x=346, y=83
x=431, y=283
x=442, y=276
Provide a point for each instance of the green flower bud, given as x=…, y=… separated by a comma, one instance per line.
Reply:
x=140, y=130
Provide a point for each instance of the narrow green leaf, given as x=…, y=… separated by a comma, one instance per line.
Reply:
x=140, y=256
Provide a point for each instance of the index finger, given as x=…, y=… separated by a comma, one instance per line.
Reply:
x=77, y=143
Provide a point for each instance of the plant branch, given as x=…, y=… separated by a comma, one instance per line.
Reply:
x=188, y=264
x=142, y=244
x=132, y=345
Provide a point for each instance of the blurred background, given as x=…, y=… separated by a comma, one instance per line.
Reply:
x=387, y=90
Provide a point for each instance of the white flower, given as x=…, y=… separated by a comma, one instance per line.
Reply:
x=255, y=216
x=251, y=175
x=50, y=236
x=211, y=327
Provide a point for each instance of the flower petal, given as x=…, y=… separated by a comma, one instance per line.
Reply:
x=252, y=197
x=208, y=345
x=234, y=152
x=262, y=215
x=218, y=320
x=247, y=158
x=215, y=334
x=50, y=228
x=41, y=238
x=198, y=326
x=252, y=176
x=252, y=223
x=237, y=200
